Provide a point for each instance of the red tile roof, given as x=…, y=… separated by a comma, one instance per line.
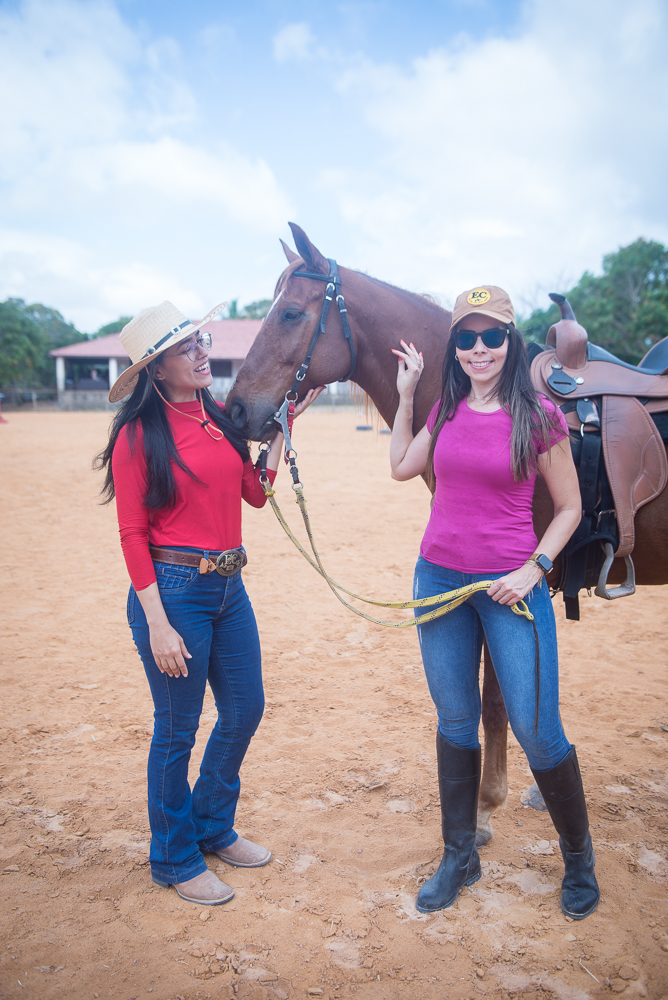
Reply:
x=231, y=339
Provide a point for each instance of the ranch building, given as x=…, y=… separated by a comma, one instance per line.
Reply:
x=85, y=371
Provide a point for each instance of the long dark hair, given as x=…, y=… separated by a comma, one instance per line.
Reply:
x=532, y=425
x=145, y=405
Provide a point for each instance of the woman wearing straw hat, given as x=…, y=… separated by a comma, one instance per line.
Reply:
x=179, y=469
x=483, y=443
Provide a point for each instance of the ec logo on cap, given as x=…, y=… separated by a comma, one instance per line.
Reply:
x=478, y=297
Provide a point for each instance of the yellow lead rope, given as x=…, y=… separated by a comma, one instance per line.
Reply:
x=449, y=600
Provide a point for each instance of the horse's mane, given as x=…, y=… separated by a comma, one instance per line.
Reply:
x=422, y=298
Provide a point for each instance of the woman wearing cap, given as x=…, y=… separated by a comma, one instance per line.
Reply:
x=179, y=470
x=483, y=443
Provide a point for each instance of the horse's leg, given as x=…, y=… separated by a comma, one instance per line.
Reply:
x=494, y=784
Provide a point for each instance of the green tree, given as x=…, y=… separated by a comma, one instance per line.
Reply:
x=624, y=310
x=55, y=333
x=51, y=323
x=539, y=322
x=115, y=327
x=257, y=309
x=254, y=310
x=23, y=346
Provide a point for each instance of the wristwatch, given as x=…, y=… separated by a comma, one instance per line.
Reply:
x=541, y=561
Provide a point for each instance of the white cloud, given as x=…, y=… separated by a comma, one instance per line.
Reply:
x=294, y=42
x=182, y=174
x=519, y=160
x=85, y=288
x=63, y=75
x=102, y=143
x=515, y=160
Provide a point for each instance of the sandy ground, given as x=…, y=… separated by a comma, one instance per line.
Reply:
x=339, y=781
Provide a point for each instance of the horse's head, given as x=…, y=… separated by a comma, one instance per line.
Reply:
x=283, y=341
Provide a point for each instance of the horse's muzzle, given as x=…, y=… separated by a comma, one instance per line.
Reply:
x=237, y=412
x=255, y=421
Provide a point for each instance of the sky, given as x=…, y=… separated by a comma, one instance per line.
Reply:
x=154, y=150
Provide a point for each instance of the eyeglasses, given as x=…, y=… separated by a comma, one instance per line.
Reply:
x=194, y=347
x=467, y=339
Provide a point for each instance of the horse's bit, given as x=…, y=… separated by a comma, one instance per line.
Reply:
x=333, y=289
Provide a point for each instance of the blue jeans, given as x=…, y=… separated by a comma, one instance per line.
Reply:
x=451, y=648
x=214, y=616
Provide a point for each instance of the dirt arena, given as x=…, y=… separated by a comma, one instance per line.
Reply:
x=339, y=781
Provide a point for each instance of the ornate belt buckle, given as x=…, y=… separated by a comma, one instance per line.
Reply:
x=230, y=562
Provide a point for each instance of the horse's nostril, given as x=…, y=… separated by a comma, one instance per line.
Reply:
x=238, y=413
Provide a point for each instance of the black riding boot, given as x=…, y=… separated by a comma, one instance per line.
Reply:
x=562, y=790
x=458, y=783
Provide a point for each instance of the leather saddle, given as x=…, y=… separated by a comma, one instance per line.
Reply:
x=600, y=394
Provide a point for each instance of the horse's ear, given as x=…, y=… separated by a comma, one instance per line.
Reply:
x=310, y=254
x=290, y=254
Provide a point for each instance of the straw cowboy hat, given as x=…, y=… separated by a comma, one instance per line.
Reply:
x=150, y=333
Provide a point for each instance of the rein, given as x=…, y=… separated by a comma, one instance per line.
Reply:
x=448, y=600
x=451, y=599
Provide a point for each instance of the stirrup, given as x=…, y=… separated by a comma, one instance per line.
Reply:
x=625, y=589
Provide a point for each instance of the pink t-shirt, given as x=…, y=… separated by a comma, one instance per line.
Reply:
x=481, y=519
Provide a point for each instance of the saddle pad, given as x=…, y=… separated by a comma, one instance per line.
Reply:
x=635, y=459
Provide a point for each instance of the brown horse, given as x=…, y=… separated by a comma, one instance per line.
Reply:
x=379, y=315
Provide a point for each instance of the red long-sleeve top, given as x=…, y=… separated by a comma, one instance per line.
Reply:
x=206, y=515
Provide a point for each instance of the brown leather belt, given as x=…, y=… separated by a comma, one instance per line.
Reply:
x=226, y=564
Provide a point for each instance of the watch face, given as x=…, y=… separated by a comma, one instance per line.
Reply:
x=544, y=563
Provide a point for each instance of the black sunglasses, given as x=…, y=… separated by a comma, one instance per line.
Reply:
x=467, y=339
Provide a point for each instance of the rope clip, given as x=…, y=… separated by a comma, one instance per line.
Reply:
x=281, y=418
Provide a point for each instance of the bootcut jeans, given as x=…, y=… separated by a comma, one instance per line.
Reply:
x=451, y=647
x=214, y=616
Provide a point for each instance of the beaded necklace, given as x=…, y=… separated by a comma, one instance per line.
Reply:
x=203, y=423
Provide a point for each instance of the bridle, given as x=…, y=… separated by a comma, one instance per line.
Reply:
x=332, y=290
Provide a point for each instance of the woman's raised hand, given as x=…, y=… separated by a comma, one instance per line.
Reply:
x=309, y=398
x=410, y=364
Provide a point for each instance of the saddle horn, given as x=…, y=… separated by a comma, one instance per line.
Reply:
x=565, y=308
x=569, y=338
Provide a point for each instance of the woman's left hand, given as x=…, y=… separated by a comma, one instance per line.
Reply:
x=514, y=586
x=309, y=398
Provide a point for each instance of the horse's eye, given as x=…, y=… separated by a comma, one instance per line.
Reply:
x=290, y=315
